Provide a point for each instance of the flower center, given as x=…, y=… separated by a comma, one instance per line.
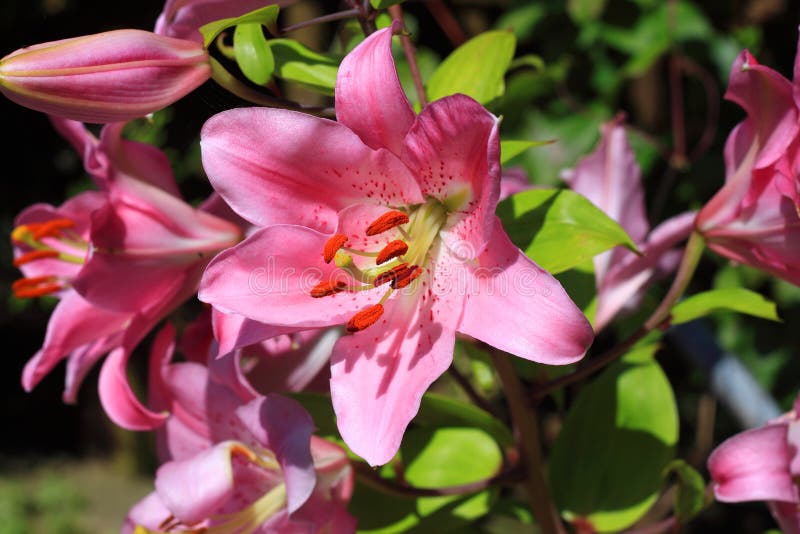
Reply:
x=397, y=264
x=54, y=239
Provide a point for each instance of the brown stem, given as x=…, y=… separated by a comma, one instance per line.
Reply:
x=447, y=22
x=524, y=418
x=678, y=158
x=476, y=398
x=332, y=17
x=408, y=49
x=371, y=478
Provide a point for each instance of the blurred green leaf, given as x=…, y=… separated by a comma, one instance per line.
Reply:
x=509, y=149
x=296, y=63
x=266, y=16
x=476, y=68
x=606, y=464
x=583, y=11
x=522, y=20
x=691, y=495
x=253, y=54
x=735, y=299
x=558, y=228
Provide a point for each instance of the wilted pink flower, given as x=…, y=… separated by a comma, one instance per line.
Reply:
x=107, y=77
x=754, y=218
x=238, y=462
x=612, y=180
x=762, y=465
x=119, y=259
x=383, y=221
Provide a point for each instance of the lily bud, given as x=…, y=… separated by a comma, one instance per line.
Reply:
x=106, y=77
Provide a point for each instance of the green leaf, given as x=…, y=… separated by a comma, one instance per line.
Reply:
x=558, y=228
x=253, y=54
x=296, y=63
x=434, y=458
x=509, y=149
x=736, y=299
x=266, y=16
x=606, y=465
x=690, y=498
x=476, y=68
x=383, y=4
x=583, y=11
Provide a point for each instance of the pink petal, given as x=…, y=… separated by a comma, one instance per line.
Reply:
x=631, y=274
x=305, y=169
x=236, y=331
x=182, y=18
x=787, y=514
x=612, y=180
x=269, y=277
x=754, y=466
x=532, y=315
x=369, y=98
x=768, y=99
x=454, y=150
x=283, y=426
x=73, y=324
x=189, y=501
x=378, y=376
x=81, y=361
x=149, y=513
x=513, y=180
x=117, y=398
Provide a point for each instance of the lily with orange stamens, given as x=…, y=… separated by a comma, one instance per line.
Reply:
x=379, y=176
x=119, y=260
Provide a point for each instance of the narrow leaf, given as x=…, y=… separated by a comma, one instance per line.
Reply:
x=266, y=16
x=735, y=299
x=559, y=229
x=253, y=53
x=690, y=498
x=476, y=68
x=296, y=63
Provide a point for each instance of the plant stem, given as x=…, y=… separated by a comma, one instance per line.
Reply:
x=332, y=17
x=371, y=478
x=408, y=48
x=659, y=318
x=524, y=419
x=476, y=398
x=447, y=22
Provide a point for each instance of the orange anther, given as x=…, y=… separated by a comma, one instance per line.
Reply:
x=51, y=228
x=364, y=318
x=31, y=282
x=332, y=246
x=323, y=289
x=387, y=221
x=392, y=250
x=406, y=277
x=33, y=256
x=388, y=276
x=33, y=287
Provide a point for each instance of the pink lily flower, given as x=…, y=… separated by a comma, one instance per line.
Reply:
x=107, y=77
x=383, y=221
x=754, y=218
x=133, y=232
x=762, y=465
x=182, y=18
x=260, y=467
x=612, y=180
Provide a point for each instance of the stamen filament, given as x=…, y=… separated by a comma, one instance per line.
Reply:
x=360, y=252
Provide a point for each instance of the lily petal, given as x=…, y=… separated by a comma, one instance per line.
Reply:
x=532, y=315
x=313, y=168
x=754, y=466
x=269, y=277
x=454, y=150
x=369, y=98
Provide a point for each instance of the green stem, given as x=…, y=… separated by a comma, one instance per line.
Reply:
x=524, y=419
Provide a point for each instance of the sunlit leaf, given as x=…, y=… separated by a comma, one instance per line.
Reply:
x=266, y=16
x=476, y=68
x=735, y=299
x=558, y=228
x=296, y=63
x=510, y=149
x=606, y=465
x=253, y=54
x=690, y=497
